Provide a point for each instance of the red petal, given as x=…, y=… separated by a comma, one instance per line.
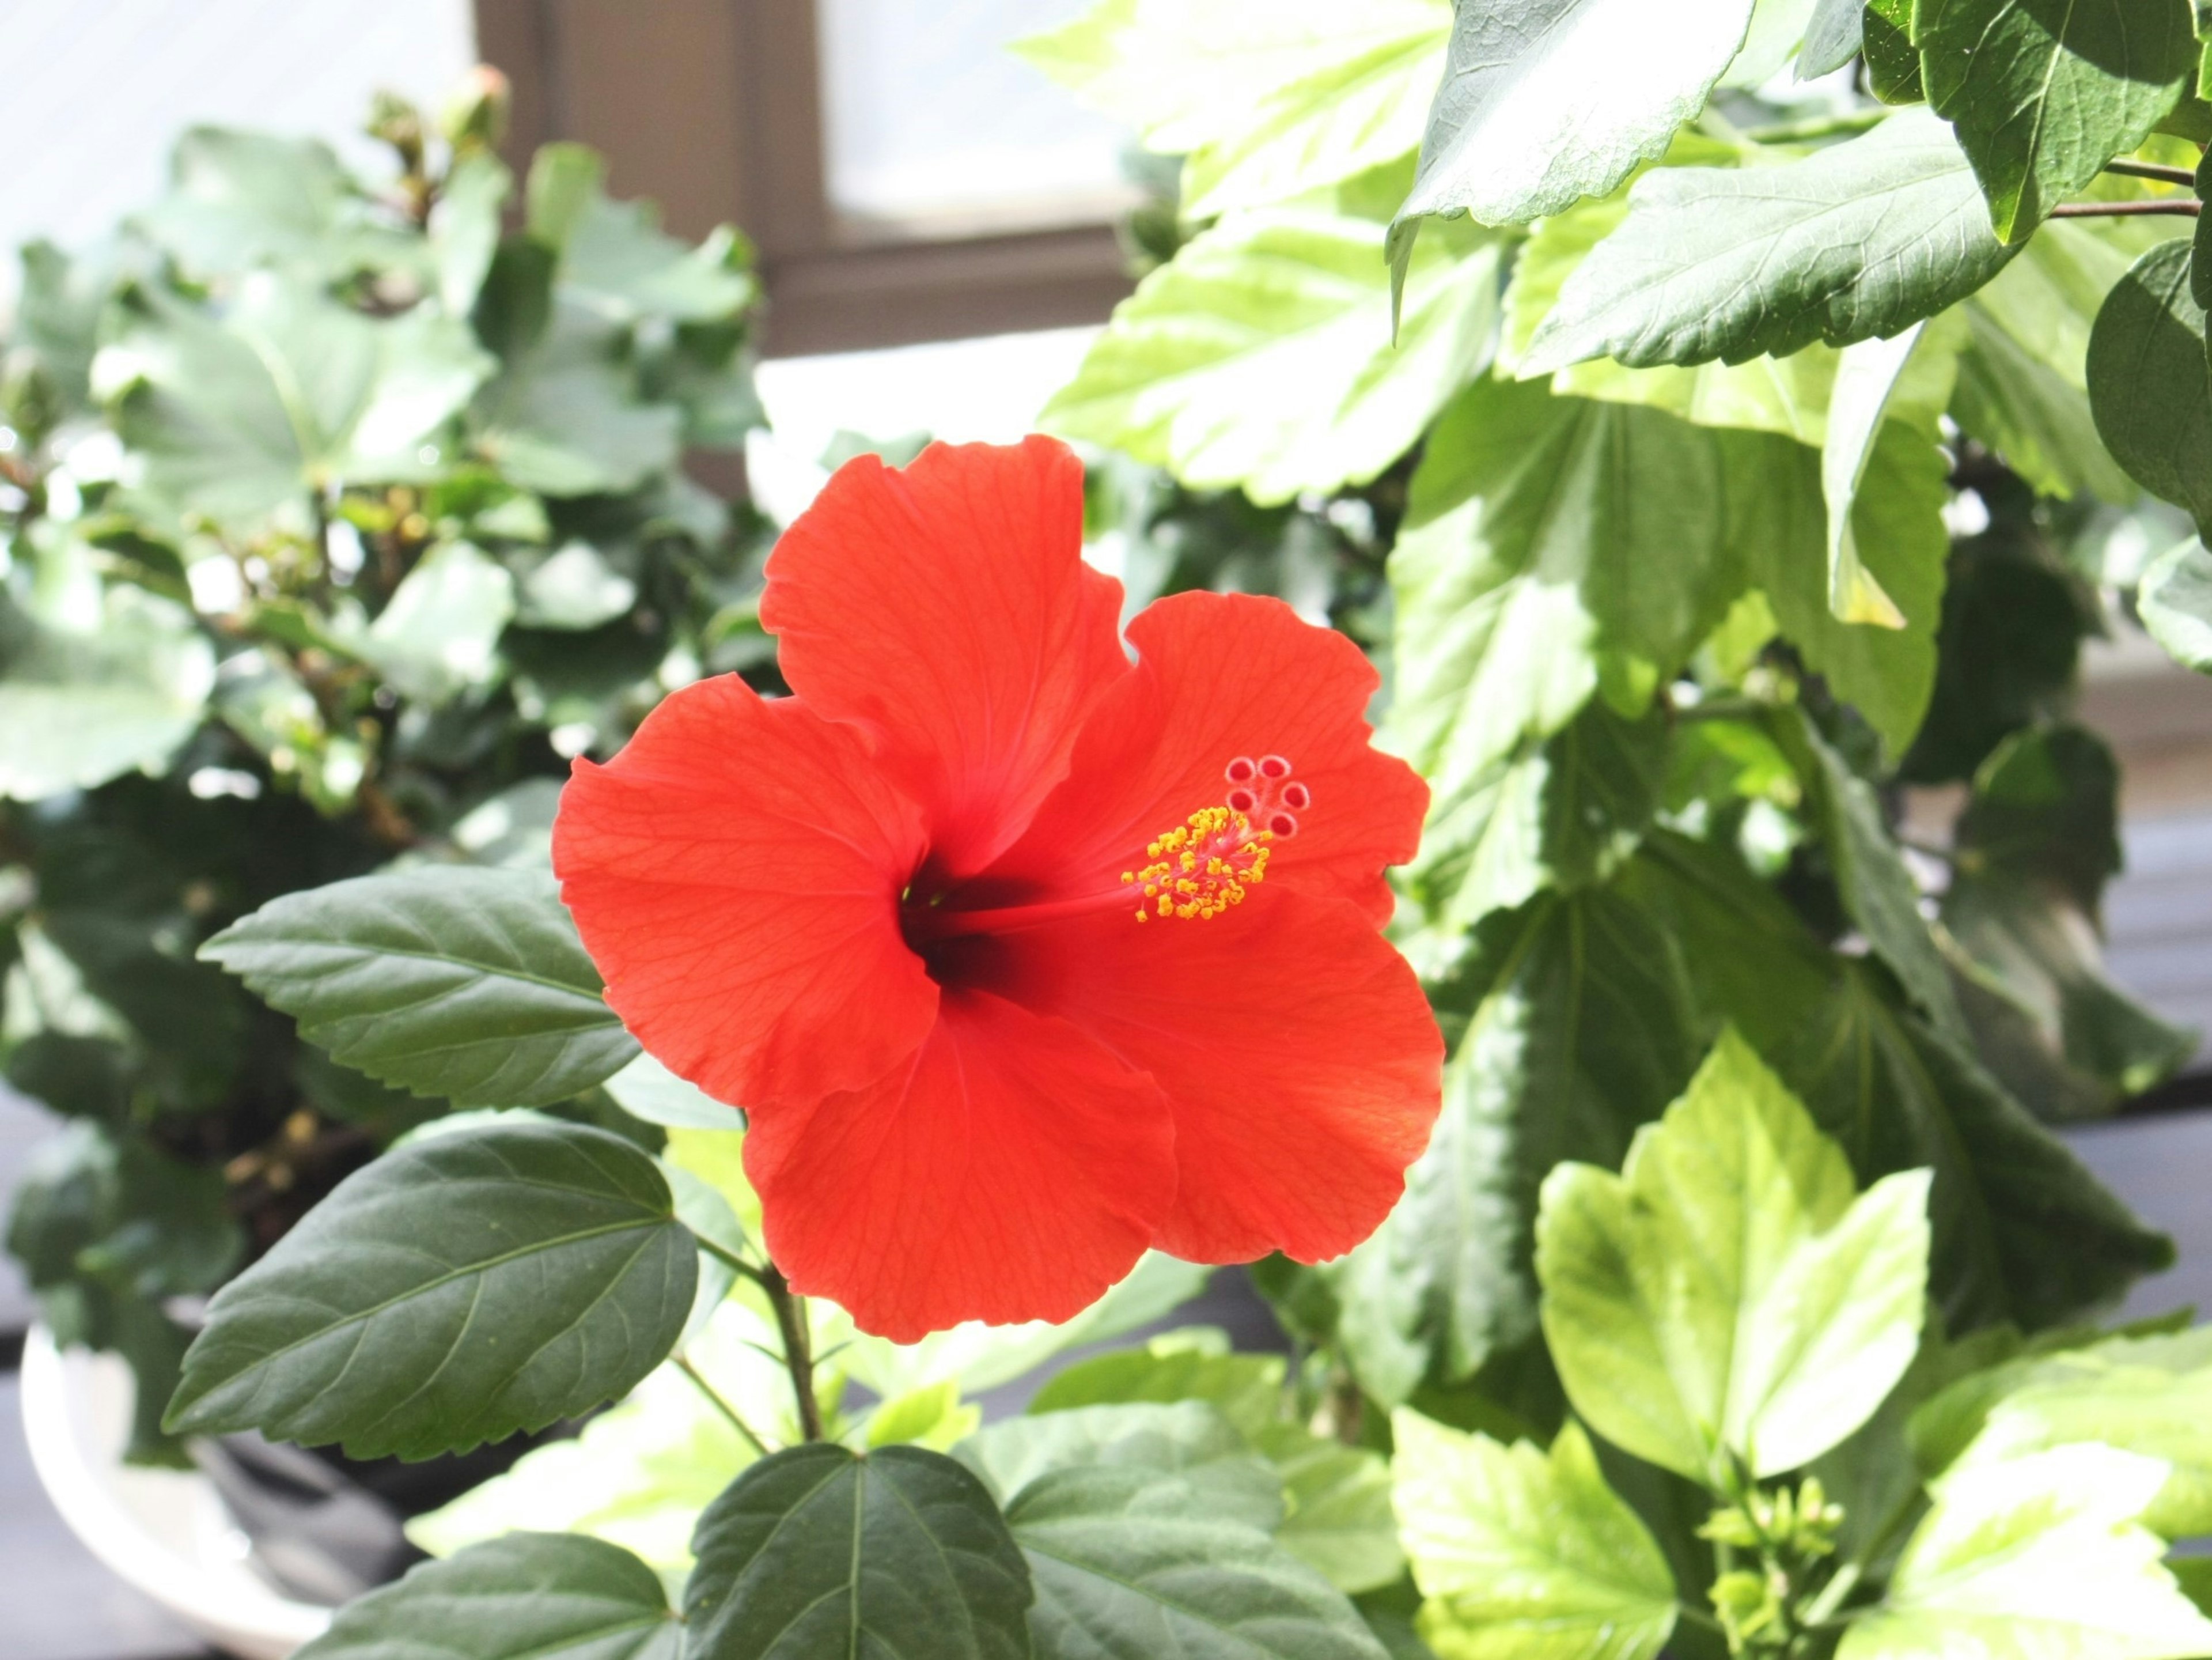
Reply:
x=1220, y=676
x=1295, y=1048
x=948, y=606
x=736, y=872
x=1012, y=1171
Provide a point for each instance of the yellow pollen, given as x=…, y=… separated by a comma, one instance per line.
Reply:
x=1202, y=867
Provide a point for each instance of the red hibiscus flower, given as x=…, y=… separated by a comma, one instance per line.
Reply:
x=1021, y=956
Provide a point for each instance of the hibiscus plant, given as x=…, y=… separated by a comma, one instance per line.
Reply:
x=1702, y=434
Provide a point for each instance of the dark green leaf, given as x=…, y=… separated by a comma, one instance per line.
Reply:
x=460, y=1289
x=448, y=980
x=900, y=1555
x=1582, y=1029
x=1892, y=62
x=527, y=1596
x=1855, y=242
x=2148, y=382
x=2042, y=93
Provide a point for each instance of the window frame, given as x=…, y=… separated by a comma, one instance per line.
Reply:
x=714, y=109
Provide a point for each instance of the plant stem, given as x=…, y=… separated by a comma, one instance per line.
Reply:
x=2165, y=175
x=726, y=1257
x=2179, y=207
x=798, y=1346
x=1697, y=1616
x=1822, y=1608
x=684, y=1365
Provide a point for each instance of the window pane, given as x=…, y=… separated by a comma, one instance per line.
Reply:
x=930, y=117
x=99, y=89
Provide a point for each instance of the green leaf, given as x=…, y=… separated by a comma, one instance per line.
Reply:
x=2040, y=1555
x=564, y=418
x=645, y=1089
x=1730, y=1295
x=1867, y=379
x=1128, y=1562
x=438, y=635
x=1524, y=1556
x=1582, y=1028
x=289, y=394
x=1892, y=62
x=614, y=258
x=58, y=316
x=1186, y=1438
x=817, y=1552
x=573, y=587
x=1832, y=37
x=2149, y=383
x=113, y=686
x=1562, y=813
x=2022, y=1231
x=527, y=1596
x=1337, y=1497
x=456, y=1291
x=2175, y=603
x=1262, y=356
x=454, y=980
x=2042, y=95
x=1855, y=242
x=2146, y=1394
x=2036, y=845
x=1546, y=101
x=1263, y=104
x=239, y=200
x=464, y=227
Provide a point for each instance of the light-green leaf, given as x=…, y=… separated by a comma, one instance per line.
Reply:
x=1186, y=1439
x=1728, y=1294
x=1546, y=102
x=1262, y=356
x=2175, y=600
x=817, y=1552
x=2042, y=95
x=1855, y=242
x=1265, y=102
x=1522, y=1556
x=456, y=1291
x=1866, y=380
x=527, y=1596
x=2149, y=383
x=2039, y=1556
x=438, y=634
x=446, y=980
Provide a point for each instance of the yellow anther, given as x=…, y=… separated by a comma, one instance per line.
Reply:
x=1201, y=867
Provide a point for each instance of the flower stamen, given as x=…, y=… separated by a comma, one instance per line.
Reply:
x=1214, y=859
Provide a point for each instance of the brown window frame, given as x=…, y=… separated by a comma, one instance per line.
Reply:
x=714, y=109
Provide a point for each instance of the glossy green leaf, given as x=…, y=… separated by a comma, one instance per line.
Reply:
x=446, y=980
x=1526, y=1556
x=2022, y=1231
x=564, y=416
x=2175, y=602
x=1263, y=104
x=114, y=686
x=438, y=635
x=1855, y=242
x=2043, y=94
x=1892, y=62
x=816, y=1551
x=527, y=1596
x=457, y=1290
x=2037, y=1556
x=1729, y=1294
x=1546, y=102
x=2149, y=383
x=1582, y=1029
x=1262, y=356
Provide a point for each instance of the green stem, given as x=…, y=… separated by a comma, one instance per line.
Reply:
x=713, y=1395
x=1826, y=127
x=2187, y=208
x=1822, y=1608
x=726, y=1257
x=1698, y=1616
x=798, y=1346
x=2165, y=175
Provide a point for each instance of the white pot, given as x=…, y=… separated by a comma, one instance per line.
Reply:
x=165, y=1532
